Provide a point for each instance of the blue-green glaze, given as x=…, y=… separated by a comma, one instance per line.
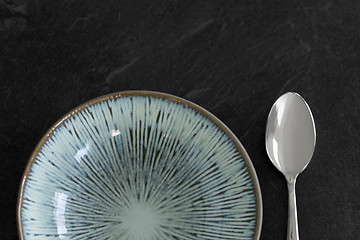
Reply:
x=138, y=167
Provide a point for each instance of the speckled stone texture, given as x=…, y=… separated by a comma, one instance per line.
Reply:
x=234, y=58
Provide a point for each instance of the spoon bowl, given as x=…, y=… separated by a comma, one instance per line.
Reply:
x=290, y=143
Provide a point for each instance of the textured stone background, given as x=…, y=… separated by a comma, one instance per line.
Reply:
x=232, y=57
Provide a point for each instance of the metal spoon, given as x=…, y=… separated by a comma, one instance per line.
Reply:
x=290, y=143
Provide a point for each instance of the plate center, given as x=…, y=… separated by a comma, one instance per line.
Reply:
x=141, y=221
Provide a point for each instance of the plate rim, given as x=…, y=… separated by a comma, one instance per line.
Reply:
x=144, y=93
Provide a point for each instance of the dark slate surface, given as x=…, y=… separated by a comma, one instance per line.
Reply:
x=232, y=57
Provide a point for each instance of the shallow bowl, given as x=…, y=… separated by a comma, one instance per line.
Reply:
x=139, y=165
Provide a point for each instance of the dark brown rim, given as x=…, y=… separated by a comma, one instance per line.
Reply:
x=215, y=120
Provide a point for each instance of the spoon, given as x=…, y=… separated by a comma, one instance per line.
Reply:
x=290, y=142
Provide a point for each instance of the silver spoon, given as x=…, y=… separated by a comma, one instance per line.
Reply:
x=290, y=142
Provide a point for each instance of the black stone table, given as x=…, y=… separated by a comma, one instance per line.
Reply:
x=234, y=58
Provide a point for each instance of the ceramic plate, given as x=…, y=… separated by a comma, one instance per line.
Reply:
x=139, y=165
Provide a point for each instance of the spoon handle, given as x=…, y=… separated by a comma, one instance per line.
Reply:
x=293, y=231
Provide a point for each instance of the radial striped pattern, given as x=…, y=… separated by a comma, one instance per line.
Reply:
x=139, y=168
